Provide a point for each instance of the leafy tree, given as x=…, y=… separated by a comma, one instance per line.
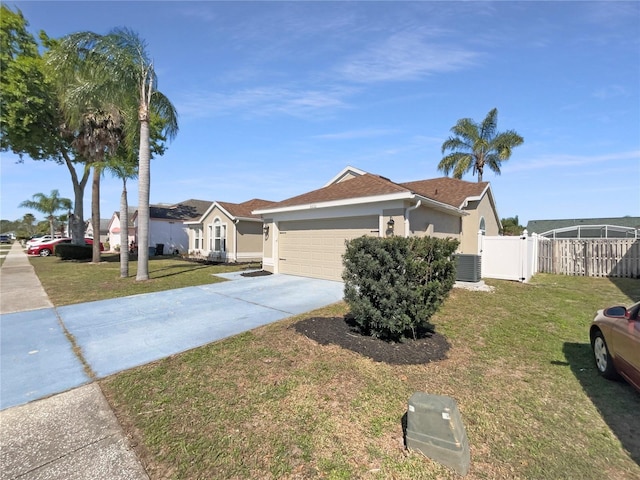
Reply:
x=31, y=114
x=48, y=205
x=476, y=146
x=511, y=226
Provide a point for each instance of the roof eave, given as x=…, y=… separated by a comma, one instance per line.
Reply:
x=337, y=203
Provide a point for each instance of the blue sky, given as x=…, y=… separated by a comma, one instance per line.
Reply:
x=275, y=98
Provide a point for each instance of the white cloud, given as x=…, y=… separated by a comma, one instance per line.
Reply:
x=263, y=101
x=564, y=160
x=406, y=56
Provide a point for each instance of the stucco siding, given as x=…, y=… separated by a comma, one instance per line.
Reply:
x=428, y=222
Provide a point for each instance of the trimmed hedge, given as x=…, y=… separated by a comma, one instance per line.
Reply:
x=69, y=251
x=394, y=285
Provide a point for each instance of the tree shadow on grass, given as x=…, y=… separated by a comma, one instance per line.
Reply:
x=617, y=401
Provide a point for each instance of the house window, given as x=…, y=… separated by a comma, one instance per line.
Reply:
x=219, y=236
x=483, y=227
x=197, y=241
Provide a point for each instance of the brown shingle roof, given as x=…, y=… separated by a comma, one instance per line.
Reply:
x=244, y=209
x=367, y=185
x=447, y=190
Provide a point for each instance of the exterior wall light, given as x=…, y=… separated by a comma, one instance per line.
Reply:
x=265, y=229
x=390, y=225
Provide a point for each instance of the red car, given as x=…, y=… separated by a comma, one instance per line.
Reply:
x=615, y=339
x=47, y=248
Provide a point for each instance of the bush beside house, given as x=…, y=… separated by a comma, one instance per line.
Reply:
x=394, y=285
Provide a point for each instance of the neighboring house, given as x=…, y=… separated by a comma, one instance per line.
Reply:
x=167, y=229
x=228, y=232
x=612, y=227
x=115, y=227
x=104, y=229
x=305, y=235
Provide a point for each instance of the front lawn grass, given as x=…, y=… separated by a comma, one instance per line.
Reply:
x=69, y=282
x=273, y=404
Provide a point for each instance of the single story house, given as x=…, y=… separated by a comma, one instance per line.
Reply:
x=611, y=227
x=227, y=232
x=166, y=225
x=104, y=229
x=115, y=226
x=305, y=235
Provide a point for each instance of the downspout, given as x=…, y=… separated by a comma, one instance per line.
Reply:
x=235, y=238
x=406, y=217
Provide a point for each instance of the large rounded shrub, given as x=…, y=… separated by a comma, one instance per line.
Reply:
x=394, y=285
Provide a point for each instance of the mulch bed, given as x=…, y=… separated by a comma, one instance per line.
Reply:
x=258, y=273
x=340, y=331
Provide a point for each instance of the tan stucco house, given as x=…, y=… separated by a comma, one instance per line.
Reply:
x=228, y=232
x=305, y=235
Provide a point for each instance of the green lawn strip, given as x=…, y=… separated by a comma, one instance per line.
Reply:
x=273, y=404
x=69, y=282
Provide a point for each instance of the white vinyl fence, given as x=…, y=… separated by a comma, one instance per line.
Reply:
x=519, y=258
x=509, y=258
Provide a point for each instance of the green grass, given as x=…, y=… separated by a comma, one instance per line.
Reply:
x=69, y=282
x=271, y=403
x=4, y=250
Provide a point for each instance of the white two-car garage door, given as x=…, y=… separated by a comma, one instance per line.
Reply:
x=314, y=248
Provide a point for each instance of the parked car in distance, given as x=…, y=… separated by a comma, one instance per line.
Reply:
x=45, y=249
x=5, y=238
x=41, y=239
x=615, y=340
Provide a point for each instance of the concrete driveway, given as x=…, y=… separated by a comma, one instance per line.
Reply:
x=36, y=349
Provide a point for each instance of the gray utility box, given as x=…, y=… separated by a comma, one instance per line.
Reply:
x=468, y=267
x=434, y=427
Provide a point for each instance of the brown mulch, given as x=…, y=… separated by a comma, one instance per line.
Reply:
x=340, y=331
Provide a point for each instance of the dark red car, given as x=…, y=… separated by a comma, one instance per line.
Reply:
x=615, y=339
x=48, y=248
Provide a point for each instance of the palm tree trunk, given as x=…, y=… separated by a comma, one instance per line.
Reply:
x=95, y=213
x=144, y=182
x=124, y=231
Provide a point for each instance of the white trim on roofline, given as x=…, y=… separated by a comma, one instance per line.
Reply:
x=364, y=200
x=342, y=172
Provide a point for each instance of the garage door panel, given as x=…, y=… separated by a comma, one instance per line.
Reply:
x=315, y=248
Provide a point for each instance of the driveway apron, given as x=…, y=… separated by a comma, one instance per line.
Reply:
x=117, y=334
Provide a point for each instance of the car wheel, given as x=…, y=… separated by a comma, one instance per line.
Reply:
x=602, y=357
x=45, y=252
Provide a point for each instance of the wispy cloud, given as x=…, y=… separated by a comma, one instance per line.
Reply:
x=550, y=162
x=406, y=56
x=610, y=91
x=356, y=134
x=264, y=101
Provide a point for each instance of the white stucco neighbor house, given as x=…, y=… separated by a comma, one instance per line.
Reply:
x=305, y=235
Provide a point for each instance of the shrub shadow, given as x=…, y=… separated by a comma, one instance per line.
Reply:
x=616, y=401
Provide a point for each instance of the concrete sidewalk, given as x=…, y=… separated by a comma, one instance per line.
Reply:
x=71, y=436
x=75, y=435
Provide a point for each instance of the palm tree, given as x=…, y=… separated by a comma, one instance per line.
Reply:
x=128, y=80
x=475, y=146
x=141, y=74
x=48, y=205
x=124, y=169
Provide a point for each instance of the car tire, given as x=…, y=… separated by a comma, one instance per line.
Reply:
x=602, y=357
x=45, y=252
